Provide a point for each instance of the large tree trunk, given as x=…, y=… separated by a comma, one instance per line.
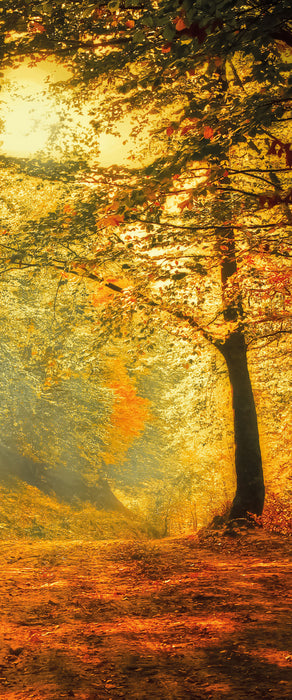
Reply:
x=250, y=492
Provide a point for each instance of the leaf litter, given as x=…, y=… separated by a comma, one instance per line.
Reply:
x=199, y=617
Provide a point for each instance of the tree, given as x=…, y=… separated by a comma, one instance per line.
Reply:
x=197, y=236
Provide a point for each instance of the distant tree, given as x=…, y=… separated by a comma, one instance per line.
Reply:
x=199, y=236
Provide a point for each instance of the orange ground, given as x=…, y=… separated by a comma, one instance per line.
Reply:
x=176, y=619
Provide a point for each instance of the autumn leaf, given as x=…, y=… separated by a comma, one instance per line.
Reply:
x=36, y=28
x=274, y=199
x=180, y=25
x=165, y=49
x=117, y=219
x=129, y=413
x=111, y=220
x=186, y=204
x=208, y=132
x=278, y=148
x=68, y=209
x=106, y=293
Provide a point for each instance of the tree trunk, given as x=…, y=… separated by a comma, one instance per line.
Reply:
x=250, y=491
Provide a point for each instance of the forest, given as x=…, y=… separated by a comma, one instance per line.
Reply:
x=145, y=270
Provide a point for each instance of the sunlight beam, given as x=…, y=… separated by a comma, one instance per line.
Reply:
x=27, y=122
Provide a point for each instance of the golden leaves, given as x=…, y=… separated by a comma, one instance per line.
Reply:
x=111, y=217
x=129, y=414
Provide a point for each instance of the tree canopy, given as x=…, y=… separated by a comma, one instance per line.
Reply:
x=188, y=237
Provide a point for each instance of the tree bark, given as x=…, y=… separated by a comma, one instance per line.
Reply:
x=250, y=491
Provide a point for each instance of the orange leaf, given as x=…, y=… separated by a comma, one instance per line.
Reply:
x=180, y=25
x=186, y=203
x=165, y=49
x=111, y=220
x=130, y=23
x=68, y=209
x=36, y=27
x=117, y=219
x=208, y=132
x=129, y=412
x=112, y=280
x=103, y=296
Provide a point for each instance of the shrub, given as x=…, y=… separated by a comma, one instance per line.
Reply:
x=277, y=514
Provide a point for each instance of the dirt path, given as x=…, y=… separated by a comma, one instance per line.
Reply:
x=175, y=619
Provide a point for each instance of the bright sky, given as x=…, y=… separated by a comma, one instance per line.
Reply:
x=30, y=113
x=27, y=124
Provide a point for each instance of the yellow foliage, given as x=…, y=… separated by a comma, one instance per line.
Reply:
x=129, y=413
x=102, y=296
x=26, y=512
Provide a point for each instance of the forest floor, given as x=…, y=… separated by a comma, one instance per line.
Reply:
x=190, y=618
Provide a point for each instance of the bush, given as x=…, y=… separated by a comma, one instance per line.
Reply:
x=277, y=514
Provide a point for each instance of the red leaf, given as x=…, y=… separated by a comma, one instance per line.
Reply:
x=169, y=130
x=288, y=153
x=208, y=132
x=272, y=149
x=282, y=148
x=36, y=27
x=166, y=48
x=180, y=25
